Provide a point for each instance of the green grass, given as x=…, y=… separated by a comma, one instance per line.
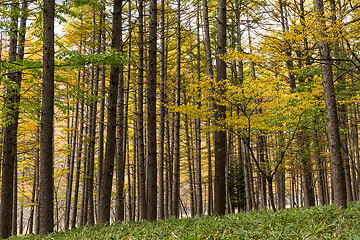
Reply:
x=312, y=223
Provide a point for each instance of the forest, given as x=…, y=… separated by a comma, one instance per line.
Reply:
x=130, y=110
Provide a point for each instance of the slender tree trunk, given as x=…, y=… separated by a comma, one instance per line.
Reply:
x=210, y=206
x=71, y=169
x=289, y=62
x=120, y=154
x=35, y=186
x=21, y=52
x=162, y=112
x=248, y=178
x=261, y=177
x=171, y=150
x=140, y=122
x=309, y=197
x=108, y=167
x=320, y=167
x=345, y=151
x=92, y=133
x=189, y=160
x=47, y=132
x=220, y=135
x=355, y=158
x=136, y=161
x=199, y=200
x=210, y=73
x=78, y=158
x=207, y=39
x=227, y=166
x=101, y=117
x=15, y=192
x=10, y=136
x=357, y=148
x=37, y=174
x=84, y=199
x=151, y=96
x=126, y=120
x=176, y=188
x=169, y=171
x=337, y=168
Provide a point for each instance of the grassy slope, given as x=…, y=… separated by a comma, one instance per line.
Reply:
x=313, y=223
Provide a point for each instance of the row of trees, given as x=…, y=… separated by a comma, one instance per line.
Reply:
x=198, y=107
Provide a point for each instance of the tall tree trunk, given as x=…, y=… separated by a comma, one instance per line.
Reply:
x=207, y=39
x=95, y=71
x=78, y=157
x=289, y=62
x=101, y=115
x=35, y=186
x=342, y=114
x=162, y=112
x=126, y=121
x=108, y=167
x=37, y=174
x=210, y=206
x=169, y=170
x=190, y=169
x=140, y=122
x=136, y=160
x=10, y=136
x=337, y=168
x=220, y=114
x=15, y=192
x=306, y=165
x=70, y=176
x=199, y=200
x=345, y=150
x=319, y=166
x=46, y=196
x=176, y=188
x=210, y=73
x=120, y=154
x=229, y=161
x=303, y=137
x=355, y=158
x=21, y=52
x=151, y=96
x=84, y=202
x=171, y=150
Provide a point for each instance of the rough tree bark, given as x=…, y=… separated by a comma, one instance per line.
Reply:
x=140, y=120
x=176, y=180
x=199, y=200
x=46, y=196
x=101, y=116
x=151, y=107
x=220, y=112
x=162, y=112
x=337, y=168
x=120, y=150
x=108, y=167
x=10, y=135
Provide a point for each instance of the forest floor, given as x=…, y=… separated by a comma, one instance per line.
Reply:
x=298, y=223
